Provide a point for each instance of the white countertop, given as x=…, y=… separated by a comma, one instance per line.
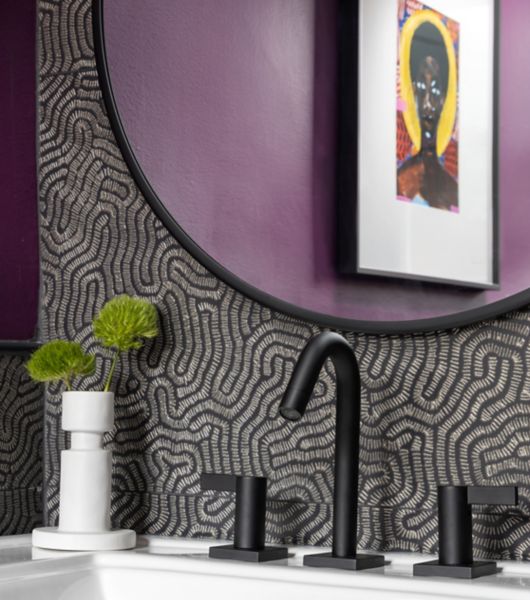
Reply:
x=159, y=567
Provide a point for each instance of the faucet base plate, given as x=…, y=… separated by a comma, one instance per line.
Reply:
x=359, y=563
x=264, y=555
x=433, y=568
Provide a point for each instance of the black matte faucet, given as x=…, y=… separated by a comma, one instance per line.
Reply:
x=305, y=375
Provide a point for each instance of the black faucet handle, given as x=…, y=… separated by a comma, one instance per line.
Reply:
x=251, y=499
x=249, y=524
x=492, y=495
x=455, y=530
x=218, y=482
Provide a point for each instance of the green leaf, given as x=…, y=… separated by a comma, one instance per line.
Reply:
x=60, y=360
x=124, y=322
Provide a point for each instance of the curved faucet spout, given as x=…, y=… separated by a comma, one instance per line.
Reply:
x=304, y=378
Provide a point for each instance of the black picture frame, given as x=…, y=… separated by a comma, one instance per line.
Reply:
x=347, y=163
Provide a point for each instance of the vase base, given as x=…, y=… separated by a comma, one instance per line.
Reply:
x=54, y=539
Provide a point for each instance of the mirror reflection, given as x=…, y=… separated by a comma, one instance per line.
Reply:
x=232, y=111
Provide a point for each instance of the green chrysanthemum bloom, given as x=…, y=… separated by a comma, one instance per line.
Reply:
x=124, y=321
x=60, y=360
x=122, y=324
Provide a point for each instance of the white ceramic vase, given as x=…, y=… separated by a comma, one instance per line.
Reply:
x=86, y=474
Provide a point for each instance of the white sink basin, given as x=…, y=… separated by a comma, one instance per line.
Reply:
x=167, y=568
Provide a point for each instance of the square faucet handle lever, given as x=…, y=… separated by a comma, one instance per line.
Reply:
x=455, y=530
x=218, y=482
x=492, y=495
x=242, y=485
x=249, y=520
x=251, y=498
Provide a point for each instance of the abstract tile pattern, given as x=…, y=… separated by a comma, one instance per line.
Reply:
x=444, y=407
x=21, y=438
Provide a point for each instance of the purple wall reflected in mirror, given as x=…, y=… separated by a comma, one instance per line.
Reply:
x=230, y=108
x=19, y=242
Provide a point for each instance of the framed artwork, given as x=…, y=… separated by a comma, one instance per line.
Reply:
x=417, y=140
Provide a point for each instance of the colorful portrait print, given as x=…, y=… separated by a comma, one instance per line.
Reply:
x=427, y=107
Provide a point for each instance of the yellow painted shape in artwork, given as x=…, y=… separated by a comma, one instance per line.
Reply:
x=410, y=116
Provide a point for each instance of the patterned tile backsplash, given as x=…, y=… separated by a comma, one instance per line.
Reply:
x=444, y=407
x=21, y=440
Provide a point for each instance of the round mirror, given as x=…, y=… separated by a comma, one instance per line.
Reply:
x=252, y=129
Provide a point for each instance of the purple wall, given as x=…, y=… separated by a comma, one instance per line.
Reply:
x=231, y=114
x=19, y=255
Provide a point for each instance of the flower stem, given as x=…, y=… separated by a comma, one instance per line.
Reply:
x=111, y=373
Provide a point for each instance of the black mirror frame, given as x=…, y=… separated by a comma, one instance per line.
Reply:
x=456, y=320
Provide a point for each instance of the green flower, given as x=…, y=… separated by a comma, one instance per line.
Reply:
x=122, y=324
x=59, y=360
